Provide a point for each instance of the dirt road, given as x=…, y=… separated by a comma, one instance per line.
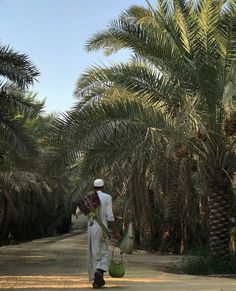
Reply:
x=60, y=263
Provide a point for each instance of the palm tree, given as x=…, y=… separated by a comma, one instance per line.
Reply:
x=33, y=201
x=118, y=131
x=183, y=54
x=17, y=74
x=19, y=158
x=29, y=193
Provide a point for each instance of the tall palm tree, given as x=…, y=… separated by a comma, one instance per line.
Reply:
x=118, y=130
x=16, y=142
x=182, y=54
x=17, y=73
x=28, y=190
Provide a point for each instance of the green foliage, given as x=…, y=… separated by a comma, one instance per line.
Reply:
x=133, y=118
x=17, y=67
x=17, y=73
x=33, y=203
x=199, y=262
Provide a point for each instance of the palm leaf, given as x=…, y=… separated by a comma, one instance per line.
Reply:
x=16, y=67
x=15, y=100
x=13, y=132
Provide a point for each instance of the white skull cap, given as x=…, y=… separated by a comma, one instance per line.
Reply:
x=98, y=183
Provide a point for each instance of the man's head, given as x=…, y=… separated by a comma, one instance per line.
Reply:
x=98, y=184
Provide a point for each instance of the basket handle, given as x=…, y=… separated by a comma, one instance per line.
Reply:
x=113, y=250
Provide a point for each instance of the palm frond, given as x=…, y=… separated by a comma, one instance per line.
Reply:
x=13, y=132
x=135, y=77
x=17, y=67
x=118, y=119
x=14, y=99
x=135, y=34
x=20, y=181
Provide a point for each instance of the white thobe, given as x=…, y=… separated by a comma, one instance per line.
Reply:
x=98, y=251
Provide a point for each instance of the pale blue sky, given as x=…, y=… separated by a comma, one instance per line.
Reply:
x=53, y=34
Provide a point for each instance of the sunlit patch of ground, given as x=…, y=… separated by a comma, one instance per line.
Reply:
x=71, y=282
x=54, y=264
x=162, y=281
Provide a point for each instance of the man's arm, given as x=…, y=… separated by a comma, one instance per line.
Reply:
x=111, y=219
x=116, y=234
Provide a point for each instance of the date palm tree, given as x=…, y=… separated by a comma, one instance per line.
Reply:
x=119, y=131
x=17, y=73
x=17, y=145
x=183, y=52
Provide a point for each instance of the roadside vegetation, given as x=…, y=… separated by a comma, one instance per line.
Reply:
x=33, y=201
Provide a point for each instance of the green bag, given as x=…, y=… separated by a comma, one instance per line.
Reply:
x=116, y=269
x=127, y=242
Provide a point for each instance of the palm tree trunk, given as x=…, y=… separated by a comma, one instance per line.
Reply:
x=219, y=223
x=171, y=237
x=185, y=200
x=142, y=209
x=218, y=170
x=2, y=208
x=4, y=216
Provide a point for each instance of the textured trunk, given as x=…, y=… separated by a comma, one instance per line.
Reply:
x=4, y=217
x=219, y=223
x=203, y=206
x=219, y=171
x=142, y=210
x=171, y=237
x=137, y=208
x=2, y=208
x=147, y=226
x=185, y=181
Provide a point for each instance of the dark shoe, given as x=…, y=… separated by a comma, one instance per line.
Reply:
x=98, y=279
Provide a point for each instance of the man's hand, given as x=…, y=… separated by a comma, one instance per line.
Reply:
x=117, y=236
x=115, y=233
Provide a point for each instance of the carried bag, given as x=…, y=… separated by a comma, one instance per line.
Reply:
x=127, y=242
x=89, y=203
x=116, y=269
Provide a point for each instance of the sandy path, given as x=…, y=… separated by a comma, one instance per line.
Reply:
x=57, y=263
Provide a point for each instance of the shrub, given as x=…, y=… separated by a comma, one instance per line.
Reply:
x=199, y=262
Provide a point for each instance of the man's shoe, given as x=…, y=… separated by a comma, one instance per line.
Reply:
x=98, y=279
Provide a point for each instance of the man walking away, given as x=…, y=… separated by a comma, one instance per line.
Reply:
x=98, y=251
